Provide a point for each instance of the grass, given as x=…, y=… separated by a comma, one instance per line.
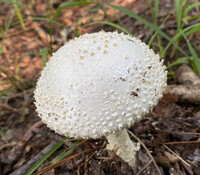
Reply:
x=179, y=55
x=44, y=53
x=3, y=130
x=4, y=32
x=16, y=5
x=182, y=10
x=44, y=158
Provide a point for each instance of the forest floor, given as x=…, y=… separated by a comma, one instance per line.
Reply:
x=171, y=132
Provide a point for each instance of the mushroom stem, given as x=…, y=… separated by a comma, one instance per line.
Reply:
x=126, y=148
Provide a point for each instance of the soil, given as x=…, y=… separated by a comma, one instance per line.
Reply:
x=171, y=132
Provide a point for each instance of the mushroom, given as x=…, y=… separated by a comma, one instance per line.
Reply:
x=98, y=85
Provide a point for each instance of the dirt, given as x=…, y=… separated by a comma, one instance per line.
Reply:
x=171, y=132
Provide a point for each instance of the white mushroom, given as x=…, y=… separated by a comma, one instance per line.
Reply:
x=98, y=85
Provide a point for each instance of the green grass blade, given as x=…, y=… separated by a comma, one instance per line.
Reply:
x=3, y=92
x=150, y=8
x=133, y=15
x=23, y=7
x=43, y=19
x=193, y=29
x=191, y=7
x=44, y=53
x=101, y=7
x=62, y=156
x=65, y=154
x=178, y=61
x=93, y=10
x=154, y=11
x=150, y=25
x=183, y=2
x=119, y=20
x=110, y=24
x=195, y=60
x=51, y=27
x=20, y=57
x=19, y=15
x=44, y=158
x=75, y=3
x=178, y=14
x=154, y=35
x=190, y=18
x=3, y=130
x=71, y=4
x=7, y=1
x=156, y=6
x=6, y=30
x=189, y=30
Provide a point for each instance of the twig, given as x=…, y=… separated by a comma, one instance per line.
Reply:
x=61, y=162
x=6, y=107
x=176, y=155
x=24, y=168
x=192, y=163
x=178, y=132
x=189, y=119
x=67, y=149
x=144, y=167
x=111, y=157
x=7, y=145
x=3, y=138
x=182, y=142
x=88, y=158
x=17, y=150
x=99, y=168
x=152, y=158
x=15, y=95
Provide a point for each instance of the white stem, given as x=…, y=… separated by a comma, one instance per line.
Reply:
x=127, y=149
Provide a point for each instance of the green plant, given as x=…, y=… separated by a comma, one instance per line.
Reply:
x=2, y=130
x=16, y=5
x=58, y=158
x=44, y=158
x=186, y=31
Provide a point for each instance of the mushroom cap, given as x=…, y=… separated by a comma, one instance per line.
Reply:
x=98, y=84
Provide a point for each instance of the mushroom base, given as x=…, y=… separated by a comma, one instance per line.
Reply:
x=126, y=148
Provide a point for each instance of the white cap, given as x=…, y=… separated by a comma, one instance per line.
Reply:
x=98, y=84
